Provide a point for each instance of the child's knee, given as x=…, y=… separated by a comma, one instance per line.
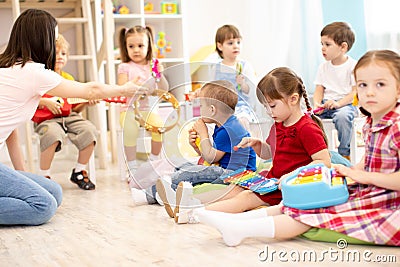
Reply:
x=248, y=200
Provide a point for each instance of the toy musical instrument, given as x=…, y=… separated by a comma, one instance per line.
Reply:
x=239, y=69
x=115, y=99
x=251, y=180
x=162, y=96
x=43, y=114
x=314, y=186
x=154, y=69
x=318, y=109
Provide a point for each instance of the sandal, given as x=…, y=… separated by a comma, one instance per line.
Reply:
x=82, y=180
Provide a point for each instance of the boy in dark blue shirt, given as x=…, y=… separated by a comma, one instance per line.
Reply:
x=218, y=100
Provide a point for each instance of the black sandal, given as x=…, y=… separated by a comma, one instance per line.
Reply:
x=82, y=180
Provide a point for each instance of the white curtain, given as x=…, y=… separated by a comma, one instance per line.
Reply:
x=286, y=33
x=382, y=24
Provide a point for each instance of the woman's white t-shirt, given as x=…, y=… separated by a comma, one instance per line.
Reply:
x=20, y=91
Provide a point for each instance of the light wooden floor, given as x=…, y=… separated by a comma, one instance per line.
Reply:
x=103, y=228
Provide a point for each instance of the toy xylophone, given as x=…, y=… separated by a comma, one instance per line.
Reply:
x=251, y=180
x=314, y=186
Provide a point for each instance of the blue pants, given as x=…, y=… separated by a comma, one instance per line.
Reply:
x=193, y=173
x=343, y=120
x=27, y=198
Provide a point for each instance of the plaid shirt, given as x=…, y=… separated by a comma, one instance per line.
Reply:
x=371, y=213
x=382, y=143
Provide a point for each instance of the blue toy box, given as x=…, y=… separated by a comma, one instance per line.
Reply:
x=314, y=186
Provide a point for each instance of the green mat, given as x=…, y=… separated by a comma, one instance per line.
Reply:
x=326, y=235
x=202, y=188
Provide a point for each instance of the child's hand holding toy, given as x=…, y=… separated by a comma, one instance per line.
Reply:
x=201, y=129
x=53, y=104
x=193, y=137
x=352, y=175
x=318, y=110
x=239, y=76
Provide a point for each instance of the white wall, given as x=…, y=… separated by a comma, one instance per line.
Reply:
x=204, y=17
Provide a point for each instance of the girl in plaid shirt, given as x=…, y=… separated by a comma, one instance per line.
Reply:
x=372, y=212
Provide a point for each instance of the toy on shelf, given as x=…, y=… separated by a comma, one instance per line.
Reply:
x=162, y=46
x=169, y=7
x=148, y=7
x=168, y=48
x=251, y=180
x=123, y=10
x=117, y=8
x=314, y=186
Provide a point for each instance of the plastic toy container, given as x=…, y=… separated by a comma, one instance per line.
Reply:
x=314, y=186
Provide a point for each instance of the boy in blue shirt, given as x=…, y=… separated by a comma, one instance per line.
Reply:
x=218, y=100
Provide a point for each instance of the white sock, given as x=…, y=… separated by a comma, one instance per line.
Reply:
x=139, y=196
x=154, y=157
x=79, y=167
x=234, y=231
x=44, y=172
x=252, y=214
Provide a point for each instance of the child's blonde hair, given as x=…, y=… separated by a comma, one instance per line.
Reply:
x=61, y=42
x=281, y=83
x=220, y=93
x=339, y=32
x=225, y=32
x=387, y=58
x=124, y=34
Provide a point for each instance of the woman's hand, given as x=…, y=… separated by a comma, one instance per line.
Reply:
x=93, y=102
x=134, y=89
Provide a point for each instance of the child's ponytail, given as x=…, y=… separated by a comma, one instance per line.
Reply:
x=312, y=115
x=122, y=44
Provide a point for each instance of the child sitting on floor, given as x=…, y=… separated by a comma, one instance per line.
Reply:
x=218, y=100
